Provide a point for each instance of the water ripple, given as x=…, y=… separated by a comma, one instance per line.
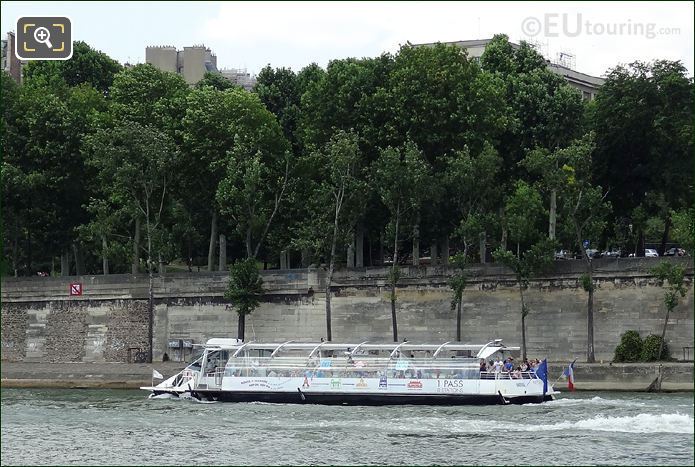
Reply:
x=107, y=427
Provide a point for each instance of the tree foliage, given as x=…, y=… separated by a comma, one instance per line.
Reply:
x=245, y=290
x=630, y=347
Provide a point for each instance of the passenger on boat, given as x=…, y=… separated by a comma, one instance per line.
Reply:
x=497, y=367
x=508, y=365
x=483, y=365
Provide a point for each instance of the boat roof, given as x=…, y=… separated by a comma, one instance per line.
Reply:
x=483, y=350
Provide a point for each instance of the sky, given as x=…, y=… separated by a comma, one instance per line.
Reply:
x=599, y=35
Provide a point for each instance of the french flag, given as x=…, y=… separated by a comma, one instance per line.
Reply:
x=569, y=372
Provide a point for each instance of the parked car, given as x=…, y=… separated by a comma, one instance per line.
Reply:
x=675, y=252
x=563, y=254
x=650, y=253
x=592, y=253
x=612, y=254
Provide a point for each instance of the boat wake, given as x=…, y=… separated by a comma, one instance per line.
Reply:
x=162, y=396
x=642, y=423
x=182, y=397
x=593, y=401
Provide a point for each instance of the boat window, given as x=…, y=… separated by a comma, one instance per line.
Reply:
x=342, y=364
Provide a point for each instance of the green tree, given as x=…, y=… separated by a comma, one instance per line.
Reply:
x=149, y=97
x=471, y=183
x=279, y=91
x=44, y=171
x=400, y=176
x=443, y=102
x=673, y=274
x=544, y=113
x=134, y=166
x=643, y=122
x=528, y=264
x=257, y=172
x=10, y=175
x=523, y=209
x=684, y=228
x=86, y=66
x=523, y=212
x=335, y=198
x=245, y=290
x=209, y=129
x=585, y=208
x=215, y=81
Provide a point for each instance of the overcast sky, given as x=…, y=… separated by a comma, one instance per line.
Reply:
x=250, y=35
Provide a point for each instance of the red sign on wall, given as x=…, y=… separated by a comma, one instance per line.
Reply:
x=75, y=288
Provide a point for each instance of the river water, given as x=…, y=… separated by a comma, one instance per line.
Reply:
x=112, y=427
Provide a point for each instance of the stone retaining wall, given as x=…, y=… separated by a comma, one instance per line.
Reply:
x=42, y=323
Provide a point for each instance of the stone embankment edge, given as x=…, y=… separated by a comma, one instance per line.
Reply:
x=672, y=377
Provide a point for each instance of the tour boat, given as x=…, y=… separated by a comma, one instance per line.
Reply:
x=366, y=373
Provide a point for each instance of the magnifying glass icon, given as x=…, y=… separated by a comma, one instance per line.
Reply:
x=43, y=36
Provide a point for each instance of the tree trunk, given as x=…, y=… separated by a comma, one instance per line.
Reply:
x=283, y=260
x=416, y=242
x=393, y=318
x=329, y=331
x=359, y=245
x=30, y=252
x=223, y=253
x=590, y=303
x=65, y=264
x=523, y=320
x=150, y=315
x=381, y=248
x=483, y=247
x=305, y=257
x=213, y=239
x=393, y=275
x=136, y=247
x=503, y=240
x=241, y=328
x=249, y=247
x=639, y=249
x=590, y=324
x=458, y=320
x=434, y=255
x=523, y=337
x=15, y=251
x=331, y=266
x=150, y=301
x=552, y=217
x=664, y=237
x=445, y=250
x=189, y=256
x=104, y=256
x=78, y=259
x=663, y=334
x=351, y=254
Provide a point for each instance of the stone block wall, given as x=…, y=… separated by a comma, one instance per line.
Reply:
x=41, y=322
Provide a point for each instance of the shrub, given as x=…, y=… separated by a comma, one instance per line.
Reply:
x=630, y=347
x=650, y=349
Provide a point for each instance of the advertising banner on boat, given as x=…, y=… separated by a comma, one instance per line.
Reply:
x=383, y=384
